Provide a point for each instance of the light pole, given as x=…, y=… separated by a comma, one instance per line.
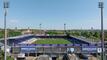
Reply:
x=6, y=3
x=64, y=28
x=101, y=6
x=92, y=31
x=40, y=29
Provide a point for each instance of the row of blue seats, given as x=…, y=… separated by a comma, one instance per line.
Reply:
x=77, y=41
x=10, y=42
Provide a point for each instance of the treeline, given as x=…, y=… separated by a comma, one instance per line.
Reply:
x=14, y=33
x=92, y=34
x=10, y=33
x=54, y=32
x=95, y=34
x=87, y=34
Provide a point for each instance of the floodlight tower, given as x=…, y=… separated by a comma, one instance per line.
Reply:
x=40, y=28
x=101, y=6
x=6, y=6
x=64, y=28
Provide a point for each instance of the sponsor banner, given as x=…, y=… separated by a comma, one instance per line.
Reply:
x=69, y=44
x=26, y=45
x=62, y=45
x=90, y=46
x=55, y=45
x=77, y=45
x=89, y=50
x=28, y=50
x=38, y=45
x=84, y=45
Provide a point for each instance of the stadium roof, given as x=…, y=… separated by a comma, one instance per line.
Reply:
x=15, y=37
x=86, y=39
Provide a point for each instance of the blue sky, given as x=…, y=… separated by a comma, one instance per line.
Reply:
x=52, y=14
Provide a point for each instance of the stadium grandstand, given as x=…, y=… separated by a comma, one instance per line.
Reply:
x=24, y=45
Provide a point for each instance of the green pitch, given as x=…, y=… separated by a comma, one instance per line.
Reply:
x=52, y=41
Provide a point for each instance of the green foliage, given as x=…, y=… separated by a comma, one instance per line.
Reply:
x=91, y=33
x=2, y=56
x=10, y=33
x=13, y=33
x=1, y=34
x=75, y=33
x=9, y=58
x=105, y=35
x=87, y=34
x=97, y=35
x=51, y=32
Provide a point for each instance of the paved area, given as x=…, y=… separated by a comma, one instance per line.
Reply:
x=44, y=57
x=92, y=58
x=72, y=57
x=31, y=58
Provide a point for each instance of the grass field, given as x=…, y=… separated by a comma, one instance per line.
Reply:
x=52, y=41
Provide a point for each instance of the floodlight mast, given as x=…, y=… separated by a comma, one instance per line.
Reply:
x=64, y=28
x=101, y=6
x=40, y=28
x=6, y=6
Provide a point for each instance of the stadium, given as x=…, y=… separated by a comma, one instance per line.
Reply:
x=30, y=46
x=79, y=44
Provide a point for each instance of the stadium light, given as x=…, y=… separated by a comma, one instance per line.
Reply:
x=40, y=28
x=64, y=28
x=6, y=6
x=101, y=6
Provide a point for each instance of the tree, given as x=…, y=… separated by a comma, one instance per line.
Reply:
x=105, y=34
x=12, y=33
x=1, y=34
x=51, y=32
x=2, y=56
x=97, y=35
x=87, y=34
x=91, y=33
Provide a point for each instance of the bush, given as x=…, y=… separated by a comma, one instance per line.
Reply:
x=2, y=56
